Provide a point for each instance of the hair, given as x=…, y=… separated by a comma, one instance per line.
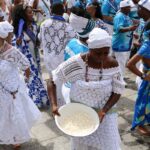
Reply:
x=80, y=12
x=98, y=13
x=58, y=9
x=19, y=12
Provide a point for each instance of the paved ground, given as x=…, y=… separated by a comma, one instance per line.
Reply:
x=46, y=136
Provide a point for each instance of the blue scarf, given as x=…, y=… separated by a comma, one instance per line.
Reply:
x=57, y=18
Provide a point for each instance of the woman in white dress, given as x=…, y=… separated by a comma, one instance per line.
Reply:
x=17, y=111
x=96, y=81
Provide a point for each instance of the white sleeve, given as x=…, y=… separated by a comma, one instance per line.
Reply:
x=118, y=83
x=18, y=59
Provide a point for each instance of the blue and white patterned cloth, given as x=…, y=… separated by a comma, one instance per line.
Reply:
x=121, y=42
x=142, y=106
x=37, y=92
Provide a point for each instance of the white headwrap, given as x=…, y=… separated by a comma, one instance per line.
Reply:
x=77, y=22
x=99, y=38
x=125, y=3
x=81, y=25
x=145, y=4
x=5, y=29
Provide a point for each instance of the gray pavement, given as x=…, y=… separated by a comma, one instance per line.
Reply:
x=46, y=136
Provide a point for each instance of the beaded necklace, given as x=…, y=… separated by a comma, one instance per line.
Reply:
x=87, y=68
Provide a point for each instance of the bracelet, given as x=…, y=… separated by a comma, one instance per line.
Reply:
x=143, y=76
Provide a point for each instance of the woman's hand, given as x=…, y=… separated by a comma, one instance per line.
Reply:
x=137, y=44
x=132, y=28
x=147, y=78
x=55, y=110
x=19, y=41
x=101, y=114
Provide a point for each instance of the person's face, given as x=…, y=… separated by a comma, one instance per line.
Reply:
x=17, y=1
x=1, y=19
x=135, y=1
x=9, y=38
x=2, y=2
x=143, y=13
x=29, y=14
x=100, y=53
x=91, y=10
x=126, y=10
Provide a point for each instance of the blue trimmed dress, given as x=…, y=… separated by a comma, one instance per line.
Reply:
x=37, y=91
x=142, y=106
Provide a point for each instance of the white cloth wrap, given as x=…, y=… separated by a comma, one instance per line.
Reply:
x=78, y=23
x=99, y=38
x=145, y=4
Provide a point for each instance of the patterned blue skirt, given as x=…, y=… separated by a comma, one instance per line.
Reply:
x=142, y=106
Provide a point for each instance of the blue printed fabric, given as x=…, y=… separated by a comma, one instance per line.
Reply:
x=110, y=8
x=142, y=106
x=73, y=48
x=121, y=41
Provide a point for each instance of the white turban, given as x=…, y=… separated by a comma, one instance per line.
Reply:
x=5, y=29
x=99, y=38
x=145, y=4
x=125, y=3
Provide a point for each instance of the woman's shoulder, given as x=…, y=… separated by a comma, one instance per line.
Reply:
x=112, y=62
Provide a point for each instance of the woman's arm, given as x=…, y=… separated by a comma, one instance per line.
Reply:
x=27, y=73
x=131, y=65
x=127, y=29
x=111, y=102
x=51, y=88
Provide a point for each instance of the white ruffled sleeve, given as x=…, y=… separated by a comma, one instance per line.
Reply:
x=19, y=59
x=58, y=75
x=68, y=71
x=118, y=83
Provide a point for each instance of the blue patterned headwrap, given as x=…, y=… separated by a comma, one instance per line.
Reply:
x=81, y=25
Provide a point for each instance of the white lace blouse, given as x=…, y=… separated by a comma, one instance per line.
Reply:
x=94, y=93
x=11, y=62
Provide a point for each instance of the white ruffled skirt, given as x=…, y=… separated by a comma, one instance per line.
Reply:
x=17, y=116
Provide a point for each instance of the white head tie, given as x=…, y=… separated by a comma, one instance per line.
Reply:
x=99, y=38
x=5, y=29
x=78, y=23
x=125, y=3
x=81, y=25
x=145, y=4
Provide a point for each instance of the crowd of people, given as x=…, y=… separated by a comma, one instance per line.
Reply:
x=86, y=46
